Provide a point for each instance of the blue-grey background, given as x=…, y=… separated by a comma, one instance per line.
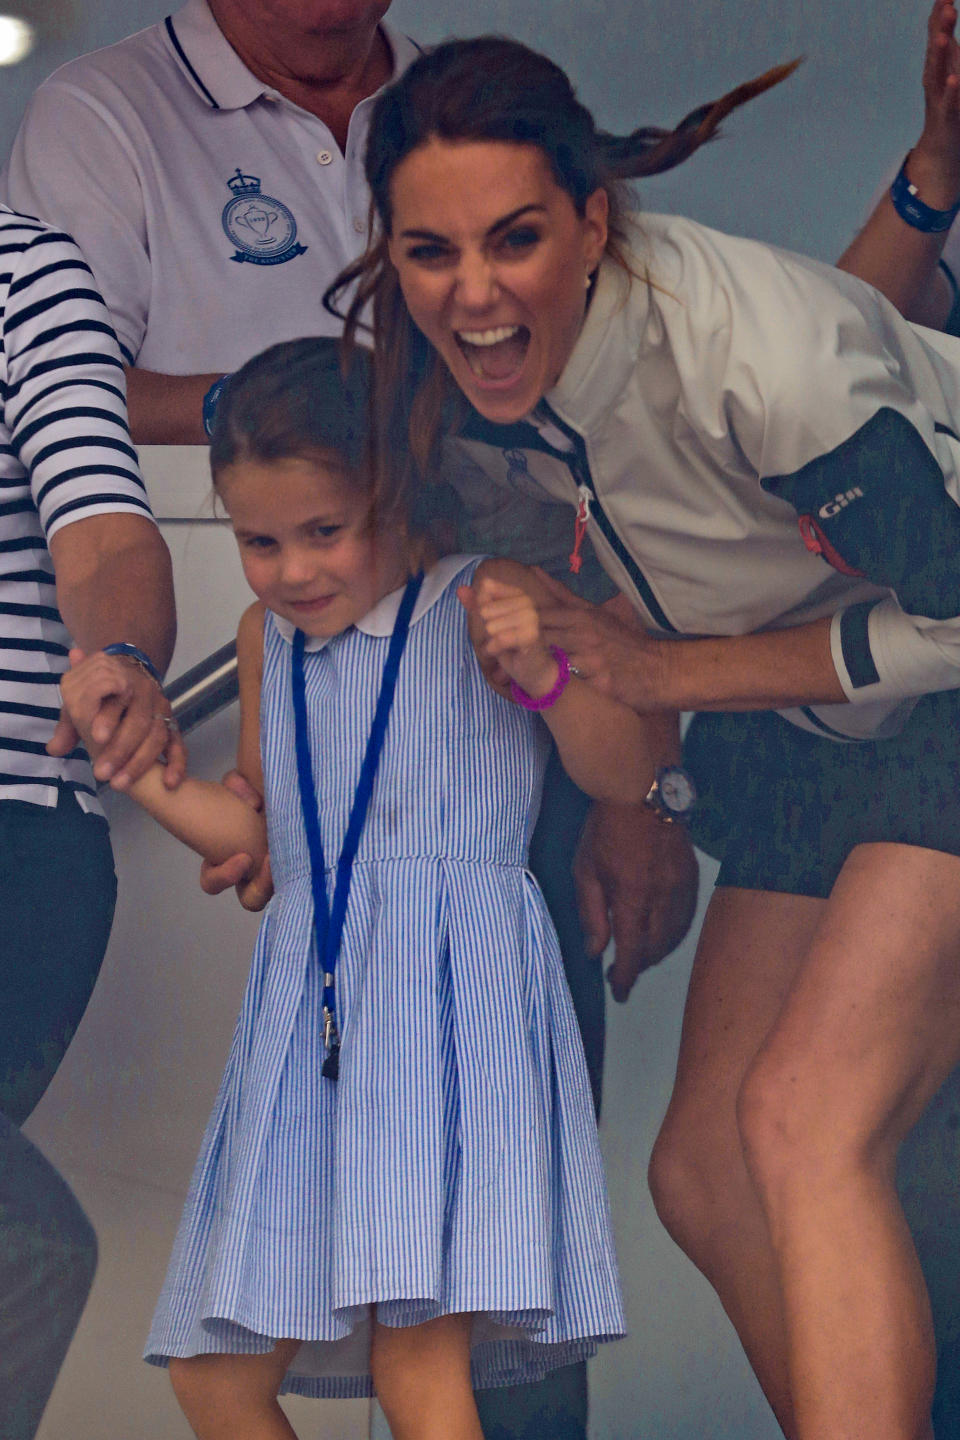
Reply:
x=798, y=167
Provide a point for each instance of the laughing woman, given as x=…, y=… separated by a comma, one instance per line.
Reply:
x=766, y=458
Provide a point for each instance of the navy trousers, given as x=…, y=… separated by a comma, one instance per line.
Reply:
x=57, y=893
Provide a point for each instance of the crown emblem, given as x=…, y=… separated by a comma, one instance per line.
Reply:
x=242, y=184
x=262, y=228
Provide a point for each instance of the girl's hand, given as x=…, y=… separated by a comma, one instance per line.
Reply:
x=505, y=629
x=934, y=164
x=253, y=883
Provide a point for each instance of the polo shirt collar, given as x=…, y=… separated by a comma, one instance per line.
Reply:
x=217, y=73
x=380, y=620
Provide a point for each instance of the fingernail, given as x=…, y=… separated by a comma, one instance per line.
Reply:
x=104, y=771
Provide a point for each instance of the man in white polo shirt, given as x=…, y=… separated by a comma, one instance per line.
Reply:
x=211, y=168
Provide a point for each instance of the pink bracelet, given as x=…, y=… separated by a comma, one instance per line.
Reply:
x=543, y=702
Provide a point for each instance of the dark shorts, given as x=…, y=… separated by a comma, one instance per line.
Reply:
x=782, y=808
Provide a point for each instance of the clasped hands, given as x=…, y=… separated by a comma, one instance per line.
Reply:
x=122, y=716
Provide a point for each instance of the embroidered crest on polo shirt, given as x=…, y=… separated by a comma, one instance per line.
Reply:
x=262, y=228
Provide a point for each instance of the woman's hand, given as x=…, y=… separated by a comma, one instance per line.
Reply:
x=613, y=653
x=636, y=882
x=122, y=717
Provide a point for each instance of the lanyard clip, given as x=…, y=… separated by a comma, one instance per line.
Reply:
x=330, y=1068
x=331, y=1035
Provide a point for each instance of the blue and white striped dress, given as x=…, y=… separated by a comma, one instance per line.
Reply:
x=454, y=1166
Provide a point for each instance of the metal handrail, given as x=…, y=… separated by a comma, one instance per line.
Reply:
x=205, y=689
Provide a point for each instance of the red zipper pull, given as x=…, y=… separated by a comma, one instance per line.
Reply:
x=818, y=544
x=808, y=534
x=580, y=528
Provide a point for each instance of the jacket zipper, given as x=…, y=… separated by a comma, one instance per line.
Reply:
x=589, y=508
x=580, y=528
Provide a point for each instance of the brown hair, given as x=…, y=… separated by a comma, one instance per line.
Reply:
x=486, y=89
x=292, y=401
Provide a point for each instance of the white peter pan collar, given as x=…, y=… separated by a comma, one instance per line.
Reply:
x=380, y=620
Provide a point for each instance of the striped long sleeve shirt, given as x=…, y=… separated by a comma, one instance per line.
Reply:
x=65, y=454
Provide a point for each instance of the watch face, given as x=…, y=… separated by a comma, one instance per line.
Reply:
x=677, y=790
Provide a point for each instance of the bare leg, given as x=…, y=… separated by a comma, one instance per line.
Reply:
x=869, y=1032
x=234, y=1397
x=751, y=948
x=422, y=1378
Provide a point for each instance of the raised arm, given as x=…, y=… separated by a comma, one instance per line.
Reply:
x=900, y=259
x=602, y=743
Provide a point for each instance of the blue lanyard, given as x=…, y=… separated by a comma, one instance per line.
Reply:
x=327, y=921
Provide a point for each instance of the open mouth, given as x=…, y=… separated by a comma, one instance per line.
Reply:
x=495, y=356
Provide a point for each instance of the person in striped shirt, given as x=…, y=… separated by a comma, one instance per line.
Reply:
x=80, y=558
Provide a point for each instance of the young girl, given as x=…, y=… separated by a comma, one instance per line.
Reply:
x=400, y=1186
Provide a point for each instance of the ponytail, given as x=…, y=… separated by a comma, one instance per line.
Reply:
x=651, y=151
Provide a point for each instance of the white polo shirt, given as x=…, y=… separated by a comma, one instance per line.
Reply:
x=213, y=211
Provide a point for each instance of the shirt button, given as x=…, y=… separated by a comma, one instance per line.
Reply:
x=324, y=157
x=359, y=225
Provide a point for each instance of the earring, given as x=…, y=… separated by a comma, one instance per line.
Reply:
x=588, y=279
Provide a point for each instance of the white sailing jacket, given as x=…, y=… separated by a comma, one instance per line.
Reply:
x=759, y=440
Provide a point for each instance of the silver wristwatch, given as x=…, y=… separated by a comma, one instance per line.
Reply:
x=672, y=795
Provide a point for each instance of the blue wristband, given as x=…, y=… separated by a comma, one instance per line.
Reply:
x=210, y=402
x=914, y=212
x=125, y=650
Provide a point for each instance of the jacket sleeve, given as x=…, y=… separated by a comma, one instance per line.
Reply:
x=71, y=166
x=850, y=418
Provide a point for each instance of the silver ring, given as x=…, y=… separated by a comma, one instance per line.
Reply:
x=169, y=721
x=575, y=671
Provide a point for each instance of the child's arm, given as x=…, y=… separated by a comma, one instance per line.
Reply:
x=602, y=743
x=202, y=813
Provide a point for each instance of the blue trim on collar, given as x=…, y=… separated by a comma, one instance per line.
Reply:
x=175, y=42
